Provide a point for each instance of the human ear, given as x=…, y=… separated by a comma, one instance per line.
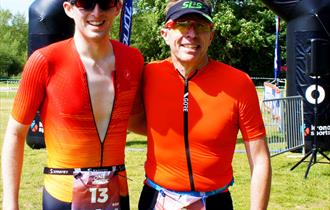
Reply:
x=68, y=9
x=212, y=34
x=164, y=34
x=118, y=8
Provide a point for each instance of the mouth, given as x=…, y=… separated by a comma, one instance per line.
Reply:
x=96, y=23
x=190, y=46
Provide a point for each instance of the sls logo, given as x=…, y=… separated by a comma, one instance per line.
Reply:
x=192, y=5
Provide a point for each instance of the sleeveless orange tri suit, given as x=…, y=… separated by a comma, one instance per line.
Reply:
x=54, y=81
x=192, y=124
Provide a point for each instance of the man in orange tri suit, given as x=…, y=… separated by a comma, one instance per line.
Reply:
x=84, y=88
x=194, y=108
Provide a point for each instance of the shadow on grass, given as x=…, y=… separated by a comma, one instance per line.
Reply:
x=136, y=143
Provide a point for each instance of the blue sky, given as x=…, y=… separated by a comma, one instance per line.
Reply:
x=16, y=6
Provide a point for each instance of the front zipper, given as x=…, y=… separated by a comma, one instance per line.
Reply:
x=113, y=106
x=185, y=129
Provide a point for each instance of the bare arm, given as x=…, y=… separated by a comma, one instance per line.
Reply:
x=12, y=161
x=259, y=160
x=137, y=120
x=137, y=123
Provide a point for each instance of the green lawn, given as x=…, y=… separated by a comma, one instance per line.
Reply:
x=289, y=188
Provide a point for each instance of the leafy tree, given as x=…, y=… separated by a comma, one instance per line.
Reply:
x=245, y=36
x=245, y=33
x=13, y=43
x=148, y=19
x=9, y=62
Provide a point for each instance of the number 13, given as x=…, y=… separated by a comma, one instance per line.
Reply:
x=102, y=198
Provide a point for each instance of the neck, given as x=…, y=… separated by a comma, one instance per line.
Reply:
x=95, y=49
x=185, y=68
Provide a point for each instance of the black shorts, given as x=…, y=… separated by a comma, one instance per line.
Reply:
x=51, y=203
x=220, y=201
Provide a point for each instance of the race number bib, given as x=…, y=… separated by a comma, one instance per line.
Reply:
x=95, y=190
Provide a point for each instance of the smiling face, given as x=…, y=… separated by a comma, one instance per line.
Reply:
x=92, y=24
x=188, y=40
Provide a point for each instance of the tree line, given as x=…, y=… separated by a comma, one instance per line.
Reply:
x=13, y=43
x=244, y=35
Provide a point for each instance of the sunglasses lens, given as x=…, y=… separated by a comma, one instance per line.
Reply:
x=184, y=26
x=90, y=4
x=85, y=4
x=107, y=4
x=202, y=27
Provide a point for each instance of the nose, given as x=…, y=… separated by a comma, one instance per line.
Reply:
x=191, y=31
x=97, y=9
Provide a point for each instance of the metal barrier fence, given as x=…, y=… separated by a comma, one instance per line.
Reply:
x=284, y=121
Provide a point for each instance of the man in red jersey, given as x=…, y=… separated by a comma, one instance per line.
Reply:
x=84, y=88
x=194, y=108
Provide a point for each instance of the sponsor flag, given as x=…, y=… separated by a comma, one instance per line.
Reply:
x=277, y=56
x=126, y=22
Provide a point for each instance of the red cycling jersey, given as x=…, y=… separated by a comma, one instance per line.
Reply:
x=57, y=86
x=192, y=124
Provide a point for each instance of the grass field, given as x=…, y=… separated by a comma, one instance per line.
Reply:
x=289, y=188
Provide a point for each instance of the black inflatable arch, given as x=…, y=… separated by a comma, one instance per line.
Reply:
x=308, y=50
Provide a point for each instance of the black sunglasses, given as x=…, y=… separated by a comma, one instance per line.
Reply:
x=90, y=4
